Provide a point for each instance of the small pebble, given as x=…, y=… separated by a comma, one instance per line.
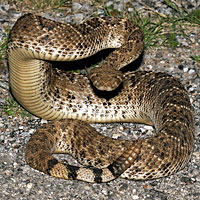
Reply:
x=29, y=186
x=191, y=71
x=76, y=7
x=78, y=17
x=109, y=3
x=105, y=192
x=135, y=197
x=180, y=67
x=162, y=62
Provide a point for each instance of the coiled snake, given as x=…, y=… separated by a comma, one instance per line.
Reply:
x=70, y=99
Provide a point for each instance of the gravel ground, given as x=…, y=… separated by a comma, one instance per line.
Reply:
x=19, y=181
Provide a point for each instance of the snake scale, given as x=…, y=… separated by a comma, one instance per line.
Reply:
x=71, y=100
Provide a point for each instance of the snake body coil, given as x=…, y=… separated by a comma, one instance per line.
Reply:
x=156, y=99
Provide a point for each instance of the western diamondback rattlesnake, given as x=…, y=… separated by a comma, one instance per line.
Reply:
x=152, y=98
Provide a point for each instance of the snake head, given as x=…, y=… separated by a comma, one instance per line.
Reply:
x=105, y=79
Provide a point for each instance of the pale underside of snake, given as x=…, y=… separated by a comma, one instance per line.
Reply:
x=71, y=100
